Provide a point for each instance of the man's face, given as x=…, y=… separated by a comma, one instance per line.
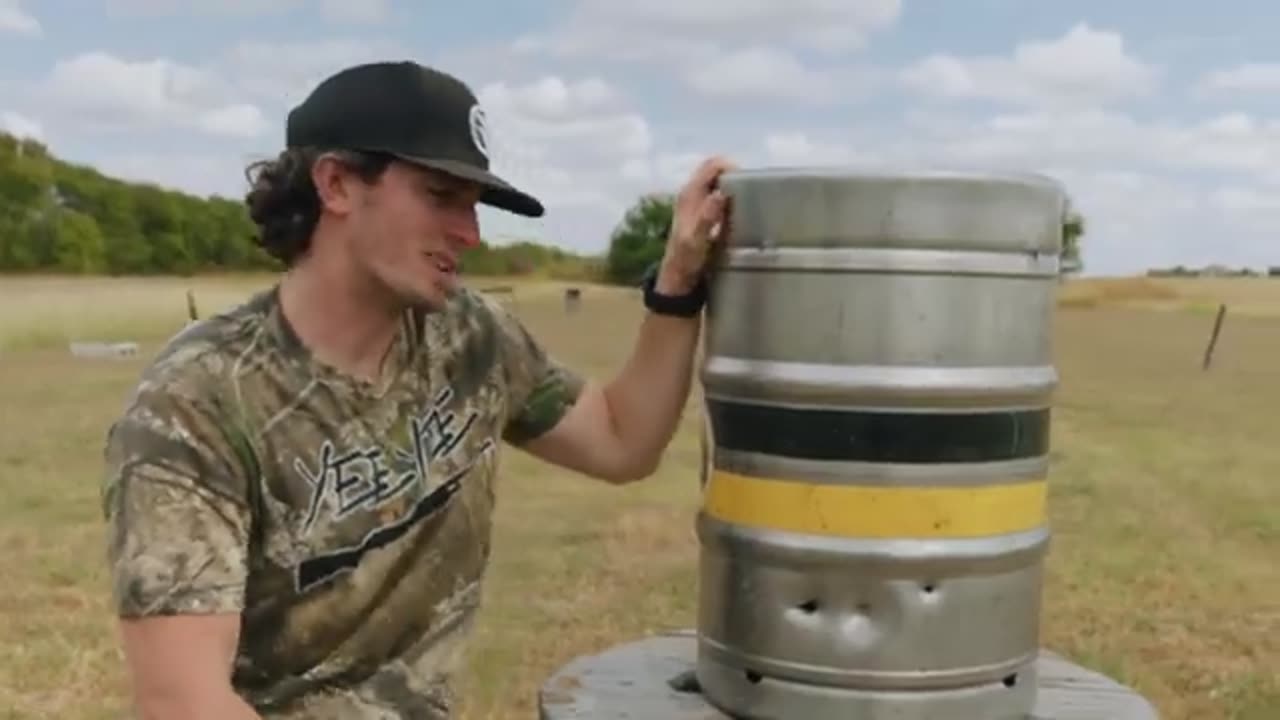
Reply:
x=408, y=231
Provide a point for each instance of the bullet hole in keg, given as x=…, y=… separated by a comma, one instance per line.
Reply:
x=809, y=606
x=1011, y=680
x=753, y=677
x=929, y=588
x=864, y=608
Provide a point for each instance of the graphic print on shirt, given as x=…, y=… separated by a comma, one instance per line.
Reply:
x=367, y=478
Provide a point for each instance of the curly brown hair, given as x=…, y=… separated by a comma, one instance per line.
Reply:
x=282, y=198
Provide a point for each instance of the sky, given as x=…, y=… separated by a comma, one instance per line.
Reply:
x=1161, y=119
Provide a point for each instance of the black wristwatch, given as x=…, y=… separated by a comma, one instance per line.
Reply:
x=687, y=305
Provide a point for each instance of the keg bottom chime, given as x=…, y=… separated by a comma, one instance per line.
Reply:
x=878, y=386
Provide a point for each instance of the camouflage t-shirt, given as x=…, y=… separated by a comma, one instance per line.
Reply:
x=347, y=522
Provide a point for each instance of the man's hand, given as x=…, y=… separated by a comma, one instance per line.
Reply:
x=698, y=223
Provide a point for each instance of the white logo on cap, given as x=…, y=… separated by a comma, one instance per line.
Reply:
x=479, y=129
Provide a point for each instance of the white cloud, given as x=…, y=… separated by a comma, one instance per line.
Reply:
x=1082, y=68
x=574, y=121
x=797, y=148
x=241, y=93
x=1230, y=143
x=763, y=73
x=552, y=98
x=663, y=171
x=675, y=29
x=13, y=19
x=1147, y=190
x=282, y=73
x=1249, y=77
x=107, y=92
x=741, y=49
x=1249, y=209
x=21, y=126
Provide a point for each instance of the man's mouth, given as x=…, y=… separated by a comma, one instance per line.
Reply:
x=444, y=264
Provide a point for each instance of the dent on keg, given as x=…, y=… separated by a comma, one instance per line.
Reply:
x=878, y=381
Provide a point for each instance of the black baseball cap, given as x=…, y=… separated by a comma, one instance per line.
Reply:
x=415, y=113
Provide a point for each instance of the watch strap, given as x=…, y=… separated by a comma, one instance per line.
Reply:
x=686, y=305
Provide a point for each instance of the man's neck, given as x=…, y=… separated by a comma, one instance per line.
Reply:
x=344, y=322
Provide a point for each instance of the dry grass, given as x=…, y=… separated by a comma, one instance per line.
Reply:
x=43, y=312
x=1163, y=571
x=1243, y=296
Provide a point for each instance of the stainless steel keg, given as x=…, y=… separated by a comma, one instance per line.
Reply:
x=878, y=380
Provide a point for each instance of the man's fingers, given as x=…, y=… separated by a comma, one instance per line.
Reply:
x=702, y=183
x=711, y=210
x=709, y=171
x=702, y=200
x=710, y=215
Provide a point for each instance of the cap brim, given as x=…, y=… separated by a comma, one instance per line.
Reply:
x=498, y=192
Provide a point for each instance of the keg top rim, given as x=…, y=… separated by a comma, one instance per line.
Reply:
x=853, y=172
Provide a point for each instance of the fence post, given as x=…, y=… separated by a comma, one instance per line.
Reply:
x=1213, y=337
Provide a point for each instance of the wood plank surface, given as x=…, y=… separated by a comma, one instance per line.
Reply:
x=650, y=679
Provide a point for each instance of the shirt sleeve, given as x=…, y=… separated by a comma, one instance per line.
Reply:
x=541, y=387
x=175, y=502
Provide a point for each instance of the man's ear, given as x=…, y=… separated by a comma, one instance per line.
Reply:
x=335, y=185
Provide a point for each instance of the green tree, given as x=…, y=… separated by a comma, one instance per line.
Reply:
x=483, y=259
x=639, y=239
x=21, y=243
x=77, y=243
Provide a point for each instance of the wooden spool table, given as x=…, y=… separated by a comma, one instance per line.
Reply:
x=647, y=680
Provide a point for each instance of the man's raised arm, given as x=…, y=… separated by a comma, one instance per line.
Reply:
x=619, y=430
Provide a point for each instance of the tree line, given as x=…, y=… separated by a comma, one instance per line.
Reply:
x=63, y=217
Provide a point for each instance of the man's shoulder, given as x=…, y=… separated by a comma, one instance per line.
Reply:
x=193, y=370
x=177, y=423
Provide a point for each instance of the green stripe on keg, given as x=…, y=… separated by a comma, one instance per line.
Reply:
x=880, y=436
x=861, y=511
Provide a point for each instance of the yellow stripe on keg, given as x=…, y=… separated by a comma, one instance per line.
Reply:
x=876, y=511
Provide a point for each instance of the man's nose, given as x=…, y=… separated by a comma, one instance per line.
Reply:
x=464, y=228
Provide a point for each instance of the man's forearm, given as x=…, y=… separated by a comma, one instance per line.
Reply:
x=647, y=397
x=209, y=705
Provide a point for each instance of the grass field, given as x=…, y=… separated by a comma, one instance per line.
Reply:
x=1165, y=501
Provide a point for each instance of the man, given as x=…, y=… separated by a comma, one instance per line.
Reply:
x=299, y=490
